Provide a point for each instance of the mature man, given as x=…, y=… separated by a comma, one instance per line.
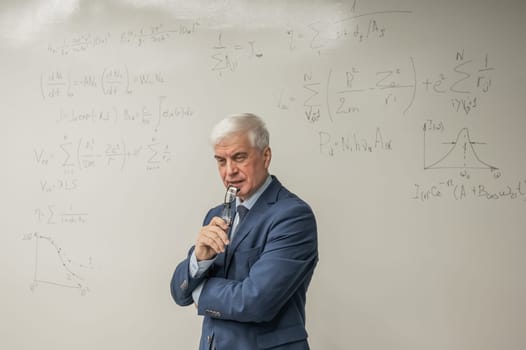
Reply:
x=249, y=281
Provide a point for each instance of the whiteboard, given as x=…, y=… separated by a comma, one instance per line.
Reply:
x=401, y=123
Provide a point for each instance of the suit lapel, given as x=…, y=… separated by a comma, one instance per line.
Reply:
x=244, y=228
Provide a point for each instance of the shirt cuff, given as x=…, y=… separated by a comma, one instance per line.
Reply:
x=198, y=268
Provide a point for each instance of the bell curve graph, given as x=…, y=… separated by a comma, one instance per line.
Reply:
x=461, y=155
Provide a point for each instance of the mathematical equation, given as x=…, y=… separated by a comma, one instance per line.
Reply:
x=358, y=27
x=458, y=191
x=51, y=215
x=89, y=153
x=63, y=184
x=110, y=81
x=136, y=37
x=464, y=84
x=79, y=43
x=144, y=115
x=226, y=57
x=158, y=33
x=344, y=93
x=331, y=144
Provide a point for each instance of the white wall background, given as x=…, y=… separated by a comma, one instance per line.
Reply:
x=401, y=123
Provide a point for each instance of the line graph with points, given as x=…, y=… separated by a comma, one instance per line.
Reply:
x=53, y=267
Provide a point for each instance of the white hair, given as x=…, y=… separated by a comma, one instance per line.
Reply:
x=247, y=123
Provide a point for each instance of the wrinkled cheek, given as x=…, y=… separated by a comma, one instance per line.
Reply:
x=243, y=190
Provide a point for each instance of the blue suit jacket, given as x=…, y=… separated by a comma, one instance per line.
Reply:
x=254, y=295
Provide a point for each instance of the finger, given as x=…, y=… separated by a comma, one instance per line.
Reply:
x=220, y=230
x=206, y=239
x=220, y=222
x=212, y=238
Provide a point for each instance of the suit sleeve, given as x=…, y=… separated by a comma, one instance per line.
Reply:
x=286, y=262
x=183, y=283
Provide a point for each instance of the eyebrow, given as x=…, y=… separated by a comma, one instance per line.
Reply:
x=235, y=155
x=241, y=153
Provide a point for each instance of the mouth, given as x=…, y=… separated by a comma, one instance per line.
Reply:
x=236, y=184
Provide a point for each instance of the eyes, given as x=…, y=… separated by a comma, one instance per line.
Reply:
x=236, y=158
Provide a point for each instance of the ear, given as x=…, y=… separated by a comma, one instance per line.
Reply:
x=267, y=156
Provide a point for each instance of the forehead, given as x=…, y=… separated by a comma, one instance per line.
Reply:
x=233, y=144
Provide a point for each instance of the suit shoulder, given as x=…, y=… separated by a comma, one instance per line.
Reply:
x=287, y=197
x=288, y=202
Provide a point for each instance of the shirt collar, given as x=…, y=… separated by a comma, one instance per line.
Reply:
x=249, y=202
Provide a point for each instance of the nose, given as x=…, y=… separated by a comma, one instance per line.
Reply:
x=231, y=167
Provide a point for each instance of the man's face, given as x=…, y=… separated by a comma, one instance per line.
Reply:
x=242, y=165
